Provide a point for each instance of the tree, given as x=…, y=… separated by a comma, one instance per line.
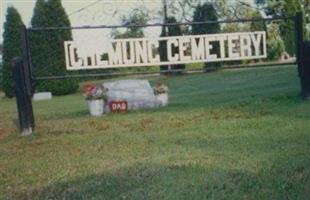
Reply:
x=206, y=12
x=182, y=10
x=137, y=17
x=256, y=25
x=258, y=2
x=287, y=29
x=174, y=30
x=306, y=10
x=305, y=4
x=275, y=44
x=47, y=47
x=12, y=47
x=248, y=13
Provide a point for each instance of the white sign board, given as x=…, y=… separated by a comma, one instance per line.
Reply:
x=135, y=52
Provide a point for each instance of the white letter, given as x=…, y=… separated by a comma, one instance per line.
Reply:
x=209, y=46
x=245, y=46
x=128, y=53
x=264, y=44
x=171, y=42
x=115, y=55
x=197, y=50
x=232, y=46
x=75, y=60
x=153, y=57
x=141, y=51
x=99, y=59
x=182, y=48
x=256, y=42
x=222, y=39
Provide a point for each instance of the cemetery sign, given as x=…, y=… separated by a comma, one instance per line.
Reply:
x=135, y=52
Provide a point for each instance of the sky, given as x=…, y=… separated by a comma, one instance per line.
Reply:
x=100, y=13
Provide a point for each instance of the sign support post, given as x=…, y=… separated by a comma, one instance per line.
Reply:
x=166, y=32
x=23, y=87
x=303, y=63
x=23, y=99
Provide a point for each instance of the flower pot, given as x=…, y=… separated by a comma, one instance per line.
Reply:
x=96, y=107
x=163, y=99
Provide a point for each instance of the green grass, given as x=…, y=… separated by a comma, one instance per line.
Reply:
x=233, y=134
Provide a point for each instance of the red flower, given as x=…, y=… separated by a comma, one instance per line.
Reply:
x=89, y=88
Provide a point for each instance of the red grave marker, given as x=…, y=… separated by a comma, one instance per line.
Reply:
x=119, y=106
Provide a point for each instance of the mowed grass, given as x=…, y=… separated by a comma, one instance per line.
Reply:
x=239, y=134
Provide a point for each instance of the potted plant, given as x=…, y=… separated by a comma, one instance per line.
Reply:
x=161, y=93
x=96, y=96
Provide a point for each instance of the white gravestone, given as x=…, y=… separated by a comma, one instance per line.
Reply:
x=42, y=96
x=138, y=93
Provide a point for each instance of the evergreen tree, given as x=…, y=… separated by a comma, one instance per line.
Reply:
x=12, y=47
x=287, y=28
x=174, y=30
x=47, y=47
x=206, y=12
x=256, y=25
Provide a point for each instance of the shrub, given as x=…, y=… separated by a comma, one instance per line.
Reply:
x=58, y=87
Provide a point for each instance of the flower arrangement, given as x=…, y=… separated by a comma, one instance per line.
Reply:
x=160, y=88
x=93, y=92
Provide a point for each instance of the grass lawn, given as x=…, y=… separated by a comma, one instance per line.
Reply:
x=231, y=134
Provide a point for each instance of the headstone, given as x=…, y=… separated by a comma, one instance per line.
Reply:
x=42, y=96
x=137, y=93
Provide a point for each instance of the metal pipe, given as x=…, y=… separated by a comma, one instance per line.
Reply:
x=271, y=64
x=160, y=24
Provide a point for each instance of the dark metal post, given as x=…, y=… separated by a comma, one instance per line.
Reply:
x=165, y=17
x=305, y=76
x=23, y=99
x=302, y=61
x=26, y=60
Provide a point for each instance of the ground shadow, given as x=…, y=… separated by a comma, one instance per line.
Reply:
x=178, y=181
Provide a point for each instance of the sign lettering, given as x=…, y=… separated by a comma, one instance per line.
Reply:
x=118, y=106
x=135, y=52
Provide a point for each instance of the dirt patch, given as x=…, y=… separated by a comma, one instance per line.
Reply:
x=5, y=132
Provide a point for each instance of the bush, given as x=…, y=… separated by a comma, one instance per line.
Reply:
x=58, y=87
x=275, y=48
